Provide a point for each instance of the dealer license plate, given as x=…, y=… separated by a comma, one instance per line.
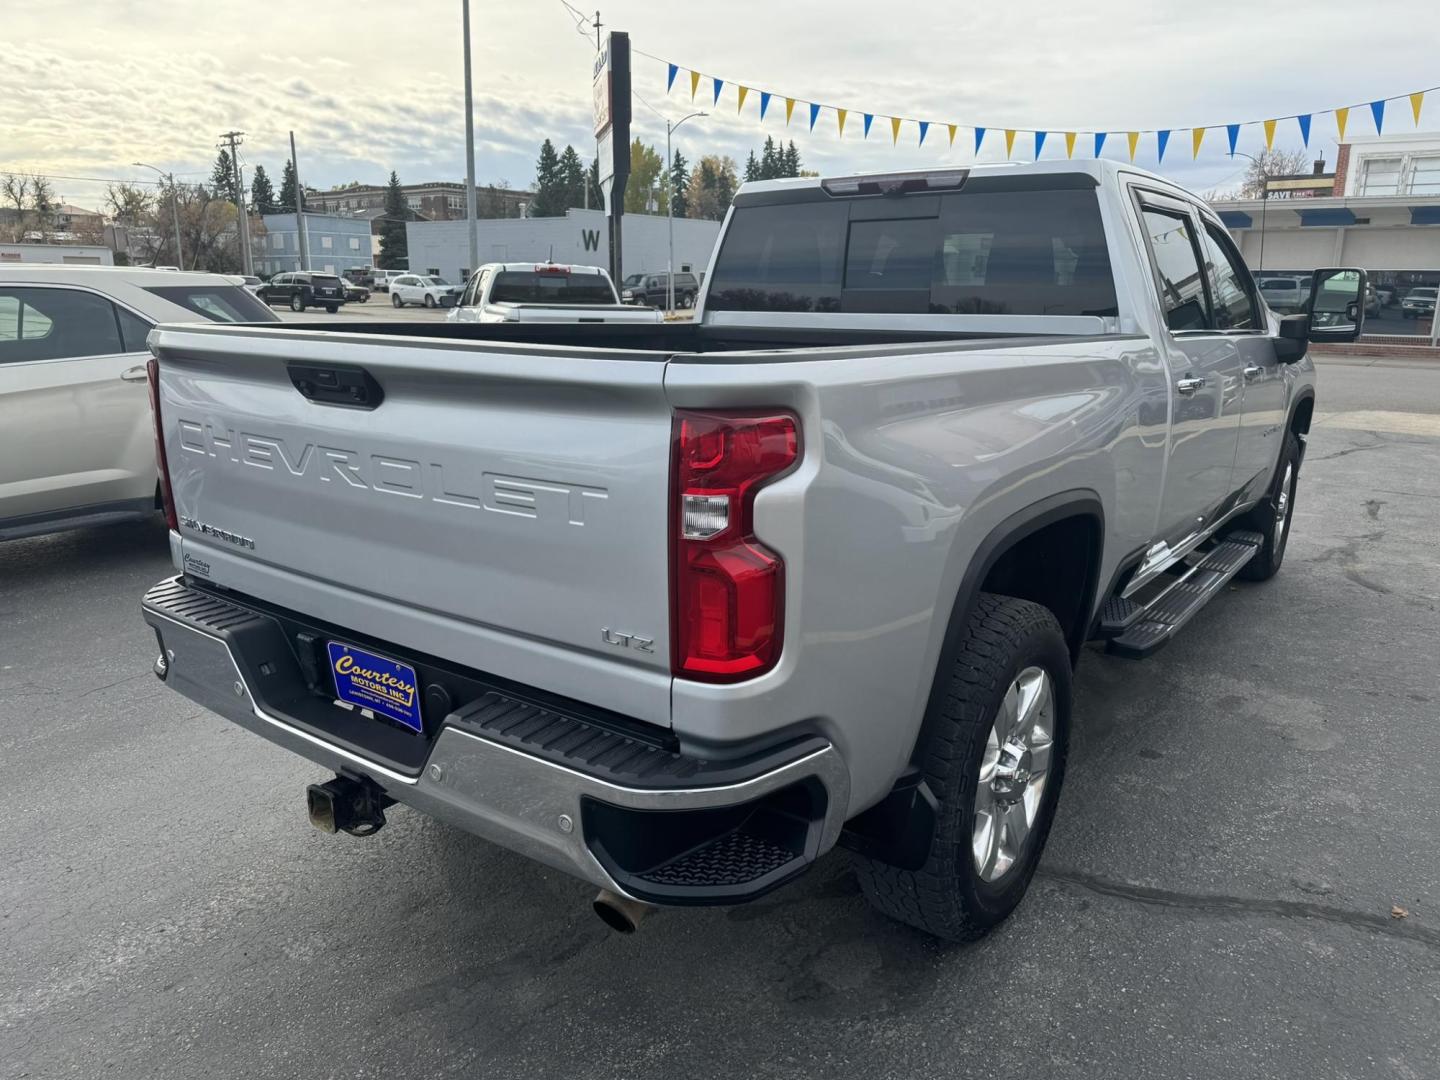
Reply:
x=385, y=687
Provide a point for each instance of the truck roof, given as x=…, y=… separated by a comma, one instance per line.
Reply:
x=1100, y=170
x=559, y=268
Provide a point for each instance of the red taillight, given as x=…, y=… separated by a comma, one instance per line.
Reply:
x=167, y=497
x=728, y=590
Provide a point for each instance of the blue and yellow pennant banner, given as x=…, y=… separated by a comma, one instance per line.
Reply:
x=1036, y=141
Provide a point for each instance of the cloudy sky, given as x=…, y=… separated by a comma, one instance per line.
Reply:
x=88, y=86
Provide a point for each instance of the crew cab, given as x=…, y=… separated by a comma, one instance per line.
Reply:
x=543, y=292
x=679, y=608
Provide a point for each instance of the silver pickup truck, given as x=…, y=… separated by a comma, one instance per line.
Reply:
x=680, y=608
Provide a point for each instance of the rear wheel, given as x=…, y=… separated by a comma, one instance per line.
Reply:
x=994, y=759
x=1272, y=517
x=297, y=302
x=395, y=300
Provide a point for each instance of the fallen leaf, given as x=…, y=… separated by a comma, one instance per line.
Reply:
x=1398, y=912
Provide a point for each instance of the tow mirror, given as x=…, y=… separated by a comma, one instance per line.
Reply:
x=1337, y=304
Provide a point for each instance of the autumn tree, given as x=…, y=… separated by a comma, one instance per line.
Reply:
x=646, y=165
x=712, y=186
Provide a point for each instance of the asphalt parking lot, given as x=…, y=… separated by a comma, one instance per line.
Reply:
x=1241, y=815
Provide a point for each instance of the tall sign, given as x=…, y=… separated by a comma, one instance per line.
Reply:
x=611, y=88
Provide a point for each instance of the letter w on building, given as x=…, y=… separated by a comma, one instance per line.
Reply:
x=591, y=239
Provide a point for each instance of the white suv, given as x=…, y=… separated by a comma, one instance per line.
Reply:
x=422, y=289
x=74, y=408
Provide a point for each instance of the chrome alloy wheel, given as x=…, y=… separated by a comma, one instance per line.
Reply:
x=1013, y=773
x=1282, y=501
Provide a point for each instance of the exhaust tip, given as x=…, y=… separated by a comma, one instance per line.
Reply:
x=620, y=913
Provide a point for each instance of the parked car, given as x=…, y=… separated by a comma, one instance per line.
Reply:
x=249, y=282
x=382, y=279
x=75, y=417
x=1386, y=294
x=1286, y=295
x=1372, y=301
x=427, y=290
x=302, y=290
x=543, y=292
x=652, y=290
x=1419, y=303
x=356, y=293
x=678, y=608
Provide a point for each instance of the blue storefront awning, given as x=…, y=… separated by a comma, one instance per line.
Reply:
x=1425, y=215
x=1236, y=219
x=1326, y=217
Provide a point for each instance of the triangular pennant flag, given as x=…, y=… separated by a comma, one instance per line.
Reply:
x=840, y=115
x=924, y=127
x=1039, y=143
x=1009, y=142
x=764, y=102
x=869, y=119
x=670, y=78
x=1134, y=137
x=789, y=108
x=1162, y=139
x=1197, y=136
x=1232, y=132
x=1099, y=142
x=1269, y=134
x=952, y=128
x=1304, y=121
x=814, y=112
x=1069, y=144
x=694, y=83
x=1377, y=110
x=719, y=84
x=742, y=92
x=979, y=138
x=894, y=129
x=1341, y=116
x=1416, y=100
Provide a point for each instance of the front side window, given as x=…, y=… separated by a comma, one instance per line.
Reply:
x=56, y=324
x=1234, y=309
x=1182, y=285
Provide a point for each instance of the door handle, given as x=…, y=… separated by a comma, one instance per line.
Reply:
x=1189, y=386
x=134, y=374
x=1252, y=373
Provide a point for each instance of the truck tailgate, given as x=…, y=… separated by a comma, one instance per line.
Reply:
x=499, y=507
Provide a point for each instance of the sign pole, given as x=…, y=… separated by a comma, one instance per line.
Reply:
x=612, y=131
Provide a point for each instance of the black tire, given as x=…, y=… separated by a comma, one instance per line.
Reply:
x=1267, y=518
x=948, y=897
x=429, y=301
x=332, y=308
x=297, y=302
x=395, y=300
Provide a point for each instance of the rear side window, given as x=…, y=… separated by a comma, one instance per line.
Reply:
x=218, y=303
x=979, y=252
x=56, y=324
x=1182, y=285
x=529, y=287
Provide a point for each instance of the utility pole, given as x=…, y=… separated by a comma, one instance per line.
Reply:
x=586, y=185
x=243, y=224
x=470, y=207
x=300, y=238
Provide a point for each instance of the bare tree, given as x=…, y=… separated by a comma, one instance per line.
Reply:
x=1269, y=164
x=43, y=202
x=145, y=218
x=15, y=188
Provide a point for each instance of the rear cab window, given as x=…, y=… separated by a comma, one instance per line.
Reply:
x=980, y=250
x=550, y=287
x=218, y=303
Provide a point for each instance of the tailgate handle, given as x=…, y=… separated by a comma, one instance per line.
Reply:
x=343, y=387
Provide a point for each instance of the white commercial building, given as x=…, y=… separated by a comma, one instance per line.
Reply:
x=580, y=237
x=75, y=254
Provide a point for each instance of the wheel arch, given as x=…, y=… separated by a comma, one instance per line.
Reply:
x=1302, y=411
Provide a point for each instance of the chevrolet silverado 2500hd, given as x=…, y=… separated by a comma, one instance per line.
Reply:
x=679, y=608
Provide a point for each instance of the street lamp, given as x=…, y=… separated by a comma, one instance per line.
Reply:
x=1264, y=200
x=174, y=208
x=670, y=209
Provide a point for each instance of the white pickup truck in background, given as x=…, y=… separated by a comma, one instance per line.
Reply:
x=544, y=292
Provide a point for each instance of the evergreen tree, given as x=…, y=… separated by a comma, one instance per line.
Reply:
x=548, y=196
x=262, y=195
x=769, y=167
x=394, y=247
x=680, y=186
x=288, y=195
x=222, y=179
x=790, y=161
x=752, y=168
x=592, y=178
x=571, y=180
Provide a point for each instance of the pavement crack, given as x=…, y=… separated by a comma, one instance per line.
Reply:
x=1351, y=450
x=1215, y=904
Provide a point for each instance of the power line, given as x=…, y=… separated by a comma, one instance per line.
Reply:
x=97, y=179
